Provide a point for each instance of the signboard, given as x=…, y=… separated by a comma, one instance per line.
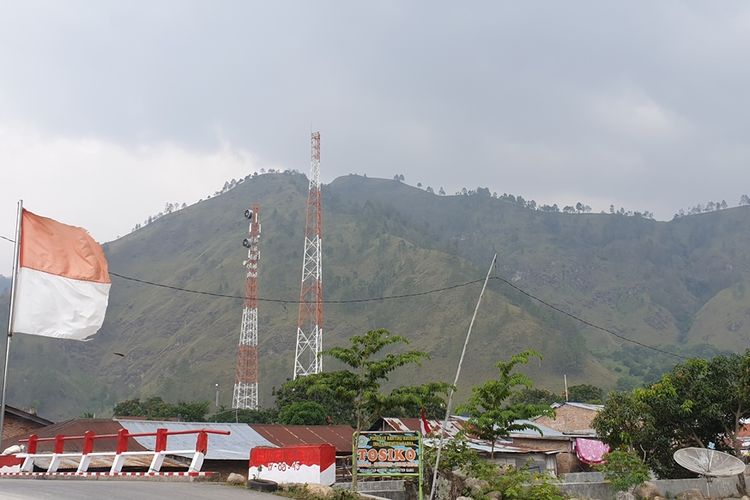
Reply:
x=389, y=454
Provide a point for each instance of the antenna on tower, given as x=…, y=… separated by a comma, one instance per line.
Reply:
x=307, y=358
x=245, y=394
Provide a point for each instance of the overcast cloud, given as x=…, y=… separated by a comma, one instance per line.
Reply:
x=129, y=105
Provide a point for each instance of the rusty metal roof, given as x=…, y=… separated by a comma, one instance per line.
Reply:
x=77, y=427
x=455, y=425
x=340, y=436
x=32, y=417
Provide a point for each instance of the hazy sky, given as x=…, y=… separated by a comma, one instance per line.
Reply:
x=110, y=109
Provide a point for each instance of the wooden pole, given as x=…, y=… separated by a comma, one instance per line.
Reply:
x=455, y=381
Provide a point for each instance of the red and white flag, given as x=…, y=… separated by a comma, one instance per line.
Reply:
x=62, y=284
x=424, y=425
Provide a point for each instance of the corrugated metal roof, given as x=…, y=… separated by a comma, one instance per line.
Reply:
x=483, y=446
x=455, y=425
x=340, y=436
x=236, y=446
x=547, y=432
x=585, y=406
x=99, y=426
x=77, y=427
x=33, y=417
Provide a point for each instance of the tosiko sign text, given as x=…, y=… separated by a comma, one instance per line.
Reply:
x=388, y=453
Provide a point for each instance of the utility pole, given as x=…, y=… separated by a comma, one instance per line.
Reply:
x=307, y=358
x=245, y=394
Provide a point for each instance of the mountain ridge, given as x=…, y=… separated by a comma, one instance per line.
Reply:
x=679, y=285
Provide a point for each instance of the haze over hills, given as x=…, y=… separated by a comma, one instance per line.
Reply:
x=680, y=285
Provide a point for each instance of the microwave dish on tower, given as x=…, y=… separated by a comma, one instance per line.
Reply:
x=245, y=394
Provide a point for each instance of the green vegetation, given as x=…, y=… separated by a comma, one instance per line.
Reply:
x=678, y=285
x=156, y=408
x=586, y=393
x=697, y=403
x=521, y=484
x=262, y=416
x=333, y=391
x=534, y=395
x=511, y=483
x=303, y=413
x=370, y=367
x=624, y=470
x=491, y=414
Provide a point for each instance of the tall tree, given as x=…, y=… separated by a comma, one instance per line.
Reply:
x=536, y=396
x=492, y=412
x=586, y=393
x=409, y=400
x=370, y=368
x=332, y=390
x=697, y=403
x=303, y=413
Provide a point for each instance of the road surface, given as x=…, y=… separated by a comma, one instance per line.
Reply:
x=39, y=489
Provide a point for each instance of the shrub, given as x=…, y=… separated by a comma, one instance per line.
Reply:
x=521, y=484
x=623, y=469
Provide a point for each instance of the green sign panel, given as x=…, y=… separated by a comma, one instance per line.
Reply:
x=388, y=454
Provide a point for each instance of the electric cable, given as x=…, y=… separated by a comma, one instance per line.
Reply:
x=405, y=296
x=586, y=322
x=293, y=301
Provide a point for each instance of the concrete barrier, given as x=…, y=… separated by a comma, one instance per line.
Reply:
x=313, y=464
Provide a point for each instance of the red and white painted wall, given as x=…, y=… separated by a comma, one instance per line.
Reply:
x=312, y=464
x=10, y=463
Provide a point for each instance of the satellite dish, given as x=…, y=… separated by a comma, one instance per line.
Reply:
x=709, y=463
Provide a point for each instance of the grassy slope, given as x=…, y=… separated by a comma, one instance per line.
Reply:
x=675, y=284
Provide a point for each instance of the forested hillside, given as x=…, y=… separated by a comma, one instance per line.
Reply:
x=680, y=285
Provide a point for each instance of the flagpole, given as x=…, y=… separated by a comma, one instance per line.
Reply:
x=14, y=277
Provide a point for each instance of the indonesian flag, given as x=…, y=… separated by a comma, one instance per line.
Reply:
x=424, y=425
x=62, y=285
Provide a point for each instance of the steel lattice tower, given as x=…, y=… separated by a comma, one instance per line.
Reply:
x=307, y=358
x=245, y=395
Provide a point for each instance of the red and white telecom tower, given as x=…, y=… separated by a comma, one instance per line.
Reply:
x=310, y=321
x=245, y=395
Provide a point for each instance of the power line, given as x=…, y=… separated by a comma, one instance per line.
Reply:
x=586, y=322
x=290, y=301
x=405, y=296
x=418, y=294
